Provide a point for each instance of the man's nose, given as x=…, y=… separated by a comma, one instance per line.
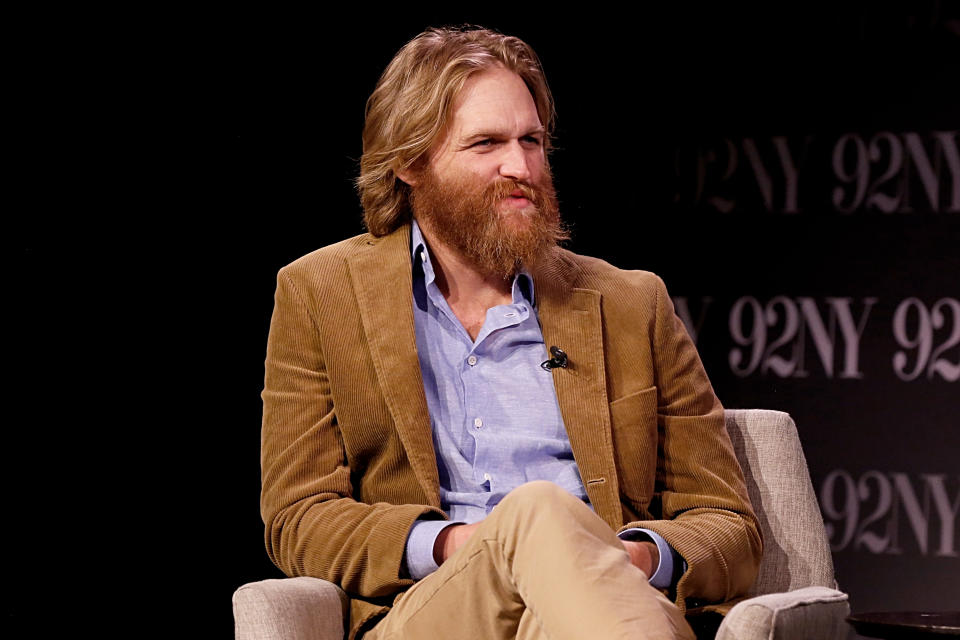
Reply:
x=515, y=163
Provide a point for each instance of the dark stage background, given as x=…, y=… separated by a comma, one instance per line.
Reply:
x=792, y=174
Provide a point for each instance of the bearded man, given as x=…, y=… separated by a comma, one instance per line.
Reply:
x=474, y=432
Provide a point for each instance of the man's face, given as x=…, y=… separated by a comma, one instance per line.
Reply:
x=486, y=190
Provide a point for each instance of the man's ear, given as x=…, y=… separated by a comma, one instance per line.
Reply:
x=411, y=173
x=407, y=175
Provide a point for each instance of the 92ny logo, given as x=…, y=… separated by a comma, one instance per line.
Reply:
x=891, y=512
x=799, y=337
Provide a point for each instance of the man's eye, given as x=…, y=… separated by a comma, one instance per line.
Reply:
x=483, y=143
x=532, y=140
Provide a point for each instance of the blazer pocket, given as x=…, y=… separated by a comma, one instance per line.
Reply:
x=633, y=422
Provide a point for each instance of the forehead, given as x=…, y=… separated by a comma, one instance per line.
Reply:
x=496, y=99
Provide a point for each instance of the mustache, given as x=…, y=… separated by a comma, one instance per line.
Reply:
x=504, y=188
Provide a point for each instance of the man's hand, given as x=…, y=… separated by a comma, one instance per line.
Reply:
x=644, y=555
x=451, y=539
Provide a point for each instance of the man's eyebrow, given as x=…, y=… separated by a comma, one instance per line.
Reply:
x=480, y=135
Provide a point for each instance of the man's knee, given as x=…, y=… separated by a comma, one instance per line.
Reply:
x=538, y=512
x=540, y=495
x=538, y=490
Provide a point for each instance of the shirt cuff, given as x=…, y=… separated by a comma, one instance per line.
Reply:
x=419, y=550
x=662, y=577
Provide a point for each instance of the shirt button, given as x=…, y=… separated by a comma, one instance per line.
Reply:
x=477, y=422
x=472, y=360
x=487, y=477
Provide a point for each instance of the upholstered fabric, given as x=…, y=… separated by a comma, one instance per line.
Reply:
x=795, y=549
x=289, y=609
x=794, y=594
x=811, y=612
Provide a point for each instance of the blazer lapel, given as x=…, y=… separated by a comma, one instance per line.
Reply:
x=571, y=319
x=383, y=284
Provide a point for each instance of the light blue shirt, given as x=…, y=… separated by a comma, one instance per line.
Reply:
x=493, y=411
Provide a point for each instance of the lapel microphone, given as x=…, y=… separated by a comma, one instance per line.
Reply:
x=559, y=359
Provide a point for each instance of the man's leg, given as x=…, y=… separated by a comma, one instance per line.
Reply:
x=544, y=556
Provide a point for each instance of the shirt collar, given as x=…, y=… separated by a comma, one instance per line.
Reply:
x=522, y=288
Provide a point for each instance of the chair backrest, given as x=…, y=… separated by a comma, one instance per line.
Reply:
x=795, y=549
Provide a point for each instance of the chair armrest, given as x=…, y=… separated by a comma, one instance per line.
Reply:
x=811, y=612
x=289, y=609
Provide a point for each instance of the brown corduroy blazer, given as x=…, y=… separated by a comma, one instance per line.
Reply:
x=347, y=456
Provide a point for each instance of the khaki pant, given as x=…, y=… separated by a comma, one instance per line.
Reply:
x=542, y=565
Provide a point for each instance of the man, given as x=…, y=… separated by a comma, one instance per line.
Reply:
x=459, y=416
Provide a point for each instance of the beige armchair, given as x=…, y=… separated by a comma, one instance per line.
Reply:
x=794, y=595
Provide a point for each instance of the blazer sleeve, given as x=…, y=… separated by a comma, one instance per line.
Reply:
x=700, y=491
x=313, y=524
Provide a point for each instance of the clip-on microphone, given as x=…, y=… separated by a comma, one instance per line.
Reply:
x=559, y=359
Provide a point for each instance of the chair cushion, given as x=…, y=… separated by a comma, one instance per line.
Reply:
x=795, y=549
x=811, y=612
x=290, y=608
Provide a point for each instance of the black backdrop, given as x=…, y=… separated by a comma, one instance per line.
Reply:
x=791, y=173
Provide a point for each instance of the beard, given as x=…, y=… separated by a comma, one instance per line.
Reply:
x=495, y=236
